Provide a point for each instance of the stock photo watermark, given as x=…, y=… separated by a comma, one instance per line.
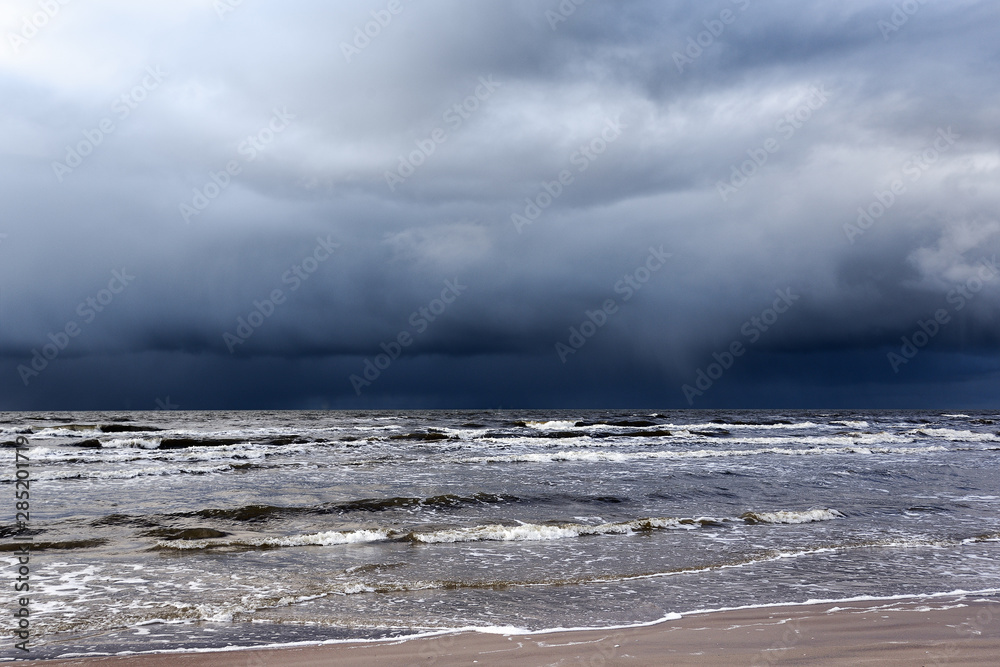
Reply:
x=927, y=329
x=88, y=310
x=565, y=9
x=582, y=158
x=752, y=329
x=264, y=308
x=248, y=150
x=776, y=651
x=32, y=24
x=901, y=13
x=628, y=286
x=223, y=7
x=913, y=168
x=454, y=116
x=363, y=35
x=23, y=542
x=122, y=107
x=714, y=28
x=973, y=627
x=793, y=121
x=419, y=321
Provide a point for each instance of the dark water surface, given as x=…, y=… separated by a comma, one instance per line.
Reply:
x=156, y=530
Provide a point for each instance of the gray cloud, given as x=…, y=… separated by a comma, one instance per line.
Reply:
x=732, y=162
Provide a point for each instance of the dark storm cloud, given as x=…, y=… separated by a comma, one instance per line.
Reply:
x=844, y=154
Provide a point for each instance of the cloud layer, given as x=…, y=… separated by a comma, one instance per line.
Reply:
x=308, y=180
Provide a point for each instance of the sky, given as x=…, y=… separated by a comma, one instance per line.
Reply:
x=384, y=204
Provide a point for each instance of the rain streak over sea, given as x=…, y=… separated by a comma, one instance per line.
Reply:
x=197, y=530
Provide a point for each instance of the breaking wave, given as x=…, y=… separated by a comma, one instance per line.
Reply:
x=621, y=457
x=529, y=532
x=496, y=532
x=807, y=516
x=957, y=435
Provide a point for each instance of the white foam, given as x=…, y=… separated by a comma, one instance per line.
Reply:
x=141, y=443
x=484, y=629
x=954, y=434
x=323, y=539
x=355, y=588
x=730, y=427
x=328, y=538
x=132, y=473
x=851, y=424
x=551, y=425
x=807, y=516
x=516, y=631
x=622, y=457
x=879, y=439
x=959, y=593
x=523, y=532
x=529, y=532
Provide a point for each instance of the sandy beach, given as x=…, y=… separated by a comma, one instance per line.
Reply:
x=942, y=631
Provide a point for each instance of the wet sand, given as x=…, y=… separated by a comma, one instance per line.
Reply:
x=942, y=631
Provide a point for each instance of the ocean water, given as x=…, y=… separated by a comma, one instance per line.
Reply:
x=167, y=530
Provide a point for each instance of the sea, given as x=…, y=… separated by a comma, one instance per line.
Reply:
x=170, y=530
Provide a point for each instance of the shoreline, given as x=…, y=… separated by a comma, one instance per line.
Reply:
x=950, y=629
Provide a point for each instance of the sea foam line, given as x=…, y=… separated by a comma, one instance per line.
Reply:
x=619, y=457
x=508, y=630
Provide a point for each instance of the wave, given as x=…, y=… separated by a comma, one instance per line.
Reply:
x=985, y=537
x=634, y=423
x=444, y=500
x=247, y=606
x=124, y=443
x=775, y=424
x=73, y=428
x=181, y=442
x=957, y=435
x=646, y=437
x=263, y=512
x=165, y=443
x=427, y=436
x=185, y=533
x=530, y=532
x=330, y=537
x=622, y=457
x=199, y=539
x=133, y=473
x=564, y=424
x=125, y=428
x=746, y=560
x=549, y=424
x=564, y=434
x=124, y=520
x=321, y=539
x=807, y=516
x=49, y=546
x=843, y=438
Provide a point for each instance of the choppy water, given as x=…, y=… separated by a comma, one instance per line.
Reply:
x=156, y=530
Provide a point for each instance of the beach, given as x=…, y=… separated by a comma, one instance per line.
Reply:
x=199, y=532
x=943, y=631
